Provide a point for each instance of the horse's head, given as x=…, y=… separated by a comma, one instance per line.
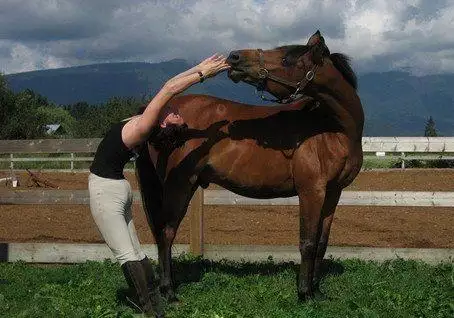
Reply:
x=284, y=71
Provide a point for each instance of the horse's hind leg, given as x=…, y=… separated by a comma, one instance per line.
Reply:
x=151, y=192
x=175, y=203
x=329, y=207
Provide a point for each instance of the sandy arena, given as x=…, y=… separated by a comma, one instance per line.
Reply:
x=277, y=225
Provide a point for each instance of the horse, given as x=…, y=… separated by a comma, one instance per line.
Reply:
x=310, y=147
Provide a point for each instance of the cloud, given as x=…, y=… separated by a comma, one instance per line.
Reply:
x=379, y=35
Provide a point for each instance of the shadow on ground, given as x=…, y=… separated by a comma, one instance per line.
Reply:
x=192, y=271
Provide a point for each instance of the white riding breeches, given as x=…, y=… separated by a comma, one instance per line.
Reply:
x=111, y=208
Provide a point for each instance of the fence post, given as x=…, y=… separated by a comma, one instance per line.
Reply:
x=72, y=161
x=196, y=223
x=11, y=163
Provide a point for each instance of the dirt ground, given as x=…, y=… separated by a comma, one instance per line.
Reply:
x=267, y=225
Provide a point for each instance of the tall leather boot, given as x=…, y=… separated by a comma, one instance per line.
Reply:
x=153, y=285
x=152, y=275
x=137, y=282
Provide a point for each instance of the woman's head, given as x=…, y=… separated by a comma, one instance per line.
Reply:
x=172, y=118
x=170, y=133
x=166, y=118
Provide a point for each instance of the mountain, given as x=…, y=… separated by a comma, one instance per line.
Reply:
x=395, y=103
x=399, y=104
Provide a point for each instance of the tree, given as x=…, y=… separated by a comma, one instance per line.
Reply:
x=430, y=130
x=57, y=115
x=95, y=120
x=27, y=115
x=6, y=104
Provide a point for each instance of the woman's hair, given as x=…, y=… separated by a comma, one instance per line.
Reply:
x=168, y=138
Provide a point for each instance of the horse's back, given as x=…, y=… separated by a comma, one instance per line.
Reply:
x=199, y=111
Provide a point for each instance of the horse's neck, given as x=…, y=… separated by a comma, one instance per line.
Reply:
x=344, y=102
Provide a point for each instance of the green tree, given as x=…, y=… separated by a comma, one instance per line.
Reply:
x=27, y=116
x=52, y=114
x=95, y=120
x=430, y=130
x=6, y=104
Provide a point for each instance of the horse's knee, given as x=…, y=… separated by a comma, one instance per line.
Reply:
x=169, y=233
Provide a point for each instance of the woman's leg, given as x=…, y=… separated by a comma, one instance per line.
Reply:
x=131, y=228
x=109, y=202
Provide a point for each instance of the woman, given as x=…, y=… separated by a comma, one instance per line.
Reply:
x=110, y=192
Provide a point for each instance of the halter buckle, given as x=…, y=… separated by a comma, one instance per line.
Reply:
x=262, y=73
x=310, y=75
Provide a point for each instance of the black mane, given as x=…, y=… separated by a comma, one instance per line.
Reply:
x=340, y=61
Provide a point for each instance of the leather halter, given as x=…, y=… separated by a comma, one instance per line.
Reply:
x=264, y=75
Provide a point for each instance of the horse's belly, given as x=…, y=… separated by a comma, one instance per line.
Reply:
x=251, y=170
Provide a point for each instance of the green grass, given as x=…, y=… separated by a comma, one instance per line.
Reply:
x=381, y=163
x=225, y=289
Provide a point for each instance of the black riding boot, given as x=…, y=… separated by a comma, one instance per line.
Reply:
x=152, y=276
x=153, y=285
x=137, y=282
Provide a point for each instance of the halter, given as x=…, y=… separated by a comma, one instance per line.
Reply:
x=264, y=75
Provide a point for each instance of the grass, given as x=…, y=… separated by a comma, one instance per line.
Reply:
x=225, y=289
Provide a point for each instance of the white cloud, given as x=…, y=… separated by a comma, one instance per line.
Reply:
x=378, y=34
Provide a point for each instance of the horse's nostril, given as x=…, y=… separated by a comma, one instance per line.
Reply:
x=234, y=58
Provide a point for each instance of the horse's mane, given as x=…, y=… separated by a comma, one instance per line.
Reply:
x=340, y=61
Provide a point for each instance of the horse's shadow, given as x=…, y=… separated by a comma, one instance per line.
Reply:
x=185, y=272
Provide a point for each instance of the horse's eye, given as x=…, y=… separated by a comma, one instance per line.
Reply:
x=284, y=62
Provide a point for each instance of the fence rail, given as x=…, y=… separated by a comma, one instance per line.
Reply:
x=434, y=147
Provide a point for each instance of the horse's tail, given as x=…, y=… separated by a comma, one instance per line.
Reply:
x=151, y=188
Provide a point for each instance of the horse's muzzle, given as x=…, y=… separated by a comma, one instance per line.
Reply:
x=234, y=58
x=236, y=75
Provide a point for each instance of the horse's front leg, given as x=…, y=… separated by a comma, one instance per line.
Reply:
x=311, y=202
x=329, y=207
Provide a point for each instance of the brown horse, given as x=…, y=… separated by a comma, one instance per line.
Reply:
x=310, y=147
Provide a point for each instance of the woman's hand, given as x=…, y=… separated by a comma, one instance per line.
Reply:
x=208, y=67
x=213, y=65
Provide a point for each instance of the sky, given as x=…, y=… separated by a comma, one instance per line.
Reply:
x=379, y=35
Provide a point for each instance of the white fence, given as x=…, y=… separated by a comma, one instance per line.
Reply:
x=433, y=148
x=403, y=148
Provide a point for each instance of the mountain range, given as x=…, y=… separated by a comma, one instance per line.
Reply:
x=395, y=103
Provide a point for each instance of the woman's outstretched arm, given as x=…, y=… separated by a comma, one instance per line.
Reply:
x=137, y=130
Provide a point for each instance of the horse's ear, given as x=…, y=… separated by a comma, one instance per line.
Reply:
x=318, y=47
x=316, y=38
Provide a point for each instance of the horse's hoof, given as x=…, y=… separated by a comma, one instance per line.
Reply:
x=173, y=299
x=312, y=295
x=158, y=302
x=305, y=296
x=319, y=296
x=169, y=295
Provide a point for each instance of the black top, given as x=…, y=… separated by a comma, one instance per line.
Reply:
x=111, y=155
